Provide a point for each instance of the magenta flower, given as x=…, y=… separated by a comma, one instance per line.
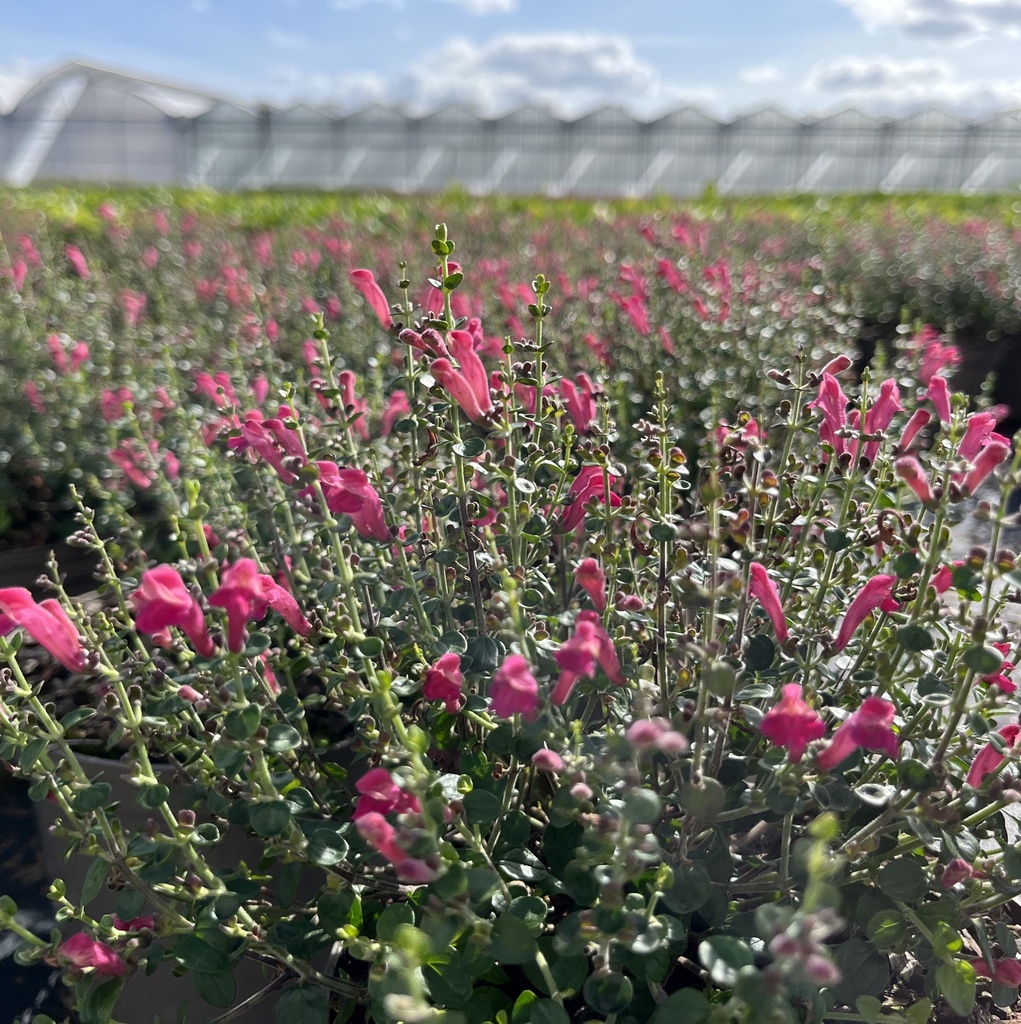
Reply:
x=879, y=415
x=514, y=690
x=77, y=260
x=381, y=835
x=443, y=681
x=46, y=623
x=578, y=657
x=985, y=462
x=763, y=589
x=837, y=365
x=246, y=594
x=82, y=951
x=919, y=419
x=832, y=403
x=353, y=405
x=791, y=723
x=381, y=795
x=397, y=408
x=1001, y=678
x=348, y=492
x=468, y=385
x=942, y=581
x=1005, y=971
x=939, y=394
x=877, y=593
x=588, y=484
x=162, y=600
x=591, y=577
x=579, y=400
x=365, y=282
x=988, y=759
x=869, y=727
x=910, y=470
x=977, y=434
x=956, y=871
x=548, y=761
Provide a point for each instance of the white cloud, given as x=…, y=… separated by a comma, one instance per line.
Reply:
x=763, y=74
x=354, y=5
x=353, y=90
x=486, y=6
x=286, y=40
x=894, y=85
x=200, y=6
x=566, y=71
x=940, y=19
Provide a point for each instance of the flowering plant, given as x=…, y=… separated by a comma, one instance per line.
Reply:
x=543, y=716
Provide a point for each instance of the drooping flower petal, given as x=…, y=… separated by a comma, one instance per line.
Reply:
x=763, y=589
x=365, y=282
x=877, y=593
x=47, y=623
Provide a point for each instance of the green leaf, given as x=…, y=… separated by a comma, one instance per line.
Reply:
x=130, y=904
x=946, y=941
x=955, y=982
x=906, y=564
x=532, y=910
x=395, y=915
x=449, y=983
x=242, y=723
x=303, y=1004
x=983, y=661
x=216, y=989
x=370, y=647
x=200, y=956
x=608, y=992
x=153, y=795
x=283, y=737
x=915, y=638
x=95, y=879
x=470, y=449
x=546, y=1011
x=869, y=1007
x=338, y=909
x=835, y=540
x=96, y=1006
x=759, y=653
x=485, y=654
x=915, y=775
x=887, y=929
x=270, y=817
x=723, y=956
x=92, y=798
x=326, y=848
x=31, y=753
x=511, y=941
x=690, y=889
x=865, y=971
x=903, y=879
x=687, y=1005
x=482, y=807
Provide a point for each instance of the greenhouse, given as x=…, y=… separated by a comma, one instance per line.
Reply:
x=88, y=123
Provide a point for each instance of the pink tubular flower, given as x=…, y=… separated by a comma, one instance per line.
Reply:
x=869, y=727
x=79, y=354
x=33, y=397
x=977, y=434
x=1005, y=972
x=514, y=690
x=548, y=761
x=380, y=834
x=114, y=403
x=353, y=405
x=988, y=759
x=832, y=402
x=579, y=656
x=919, y=419
x=588, y=484
x=365, y=282
x=877, y=593
x=469, y=385
x=47, y=623
x=910, y=470
x=397, y=409
x=939, y=394
x=879, y=415
x=837, y=365
x=943, y=580
x=246, y=594
x=956, y=871
x=985, y=462
x=579, y=400
x=162, y=600
x=763, y=589
x=82, y=951
x=77, y=261
x=348, y=492
x=136, y=924
x=379, y=794
x=443, y=681
x=591, y=577
x=57, y=353
x=791, y=723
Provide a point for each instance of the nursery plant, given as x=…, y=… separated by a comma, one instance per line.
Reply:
x=555, y=702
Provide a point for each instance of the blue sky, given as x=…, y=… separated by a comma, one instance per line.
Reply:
x=805, y=56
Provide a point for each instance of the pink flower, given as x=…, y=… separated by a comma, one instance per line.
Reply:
x=381, y=795
x=136, y=924
x=443, y=681
x=877, y=593
x=578, y=657
x=548, y=761
x=579, y=400
x=942, y=581
x=354, y=407
x=956, y=871
x=837, y=365
x=398, y=408
x=832, y=402
x=985, y=462
x=939, y=394
x=34, y=397
x=19, y=270
x=364, y=281
x=47, y=623
x=514, y=690
x=348, y=492
x=988, y=759
x=879, y=415
x=919, y=419
x=1005, y=972
x=115, y=403
x=1001, y=678
x=763, y=589
x=588, y=484
x=133, y=461
x=77, y=260
x=82, y=951
x=869, y=727
x=791, y=723
x=57, y=353
x=380, y=834
x=910, y=470
x=977, y=434
x=79, y=354
x=162, y=600
x=469, y=385
x=219, y=388
x=591, y=577
x=246, y=594
x=133, y=303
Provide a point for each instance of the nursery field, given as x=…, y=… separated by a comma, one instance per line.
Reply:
x=560, y=598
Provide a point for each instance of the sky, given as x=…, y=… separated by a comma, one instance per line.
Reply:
x=728, y=57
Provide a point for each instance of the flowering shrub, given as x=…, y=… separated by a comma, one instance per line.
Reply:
x=555, y=719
